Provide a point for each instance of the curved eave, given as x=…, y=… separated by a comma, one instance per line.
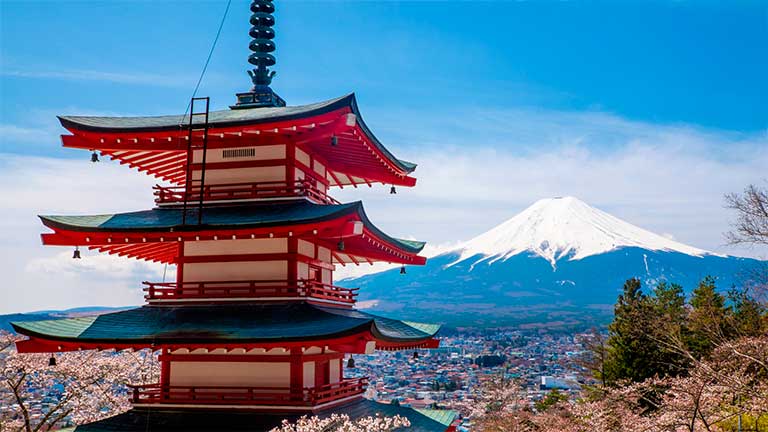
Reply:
x=410, y=246
x=132, y=234
x=405, y=166
x=220, y=325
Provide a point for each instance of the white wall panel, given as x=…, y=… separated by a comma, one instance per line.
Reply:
x=230, y=374
x=236, y=271
x=236, y=247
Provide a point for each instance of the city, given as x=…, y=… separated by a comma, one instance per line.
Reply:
x=449, y=377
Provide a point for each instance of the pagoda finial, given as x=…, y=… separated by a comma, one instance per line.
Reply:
x=262, y=45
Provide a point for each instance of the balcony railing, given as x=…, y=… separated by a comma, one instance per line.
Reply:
x=220, y=395
x=175, y=195
x=255, y=289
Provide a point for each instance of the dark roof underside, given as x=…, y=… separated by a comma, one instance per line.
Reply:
x=224, y=217
x=253, y=323
x=157, y=420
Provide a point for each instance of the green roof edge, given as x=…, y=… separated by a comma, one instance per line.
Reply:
x=444, y=417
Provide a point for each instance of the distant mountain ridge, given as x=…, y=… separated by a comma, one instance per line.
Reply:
x=558, y=262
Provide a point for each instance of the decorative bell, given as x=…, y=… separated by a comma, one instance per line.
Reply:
x=52, y=361
x=392, y=190
x=350, y=363
x=334, y=140
x=402, y=270
x=94, y=157
x=415, y=355
x=340, y=246
x=76, y=254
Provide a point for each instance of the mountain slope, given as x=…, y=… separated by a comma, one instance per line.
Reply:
x=559, y=262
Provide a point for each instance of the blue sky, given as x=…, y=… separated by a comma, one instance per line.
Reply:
x=648, y=110
x=671, y=62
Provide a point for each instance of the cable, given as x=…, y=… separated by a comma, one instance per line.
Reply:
x=202, y=74
x=208, y=60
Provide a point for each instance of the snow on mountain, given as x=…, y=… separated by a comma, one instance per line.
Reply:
x=564, y=227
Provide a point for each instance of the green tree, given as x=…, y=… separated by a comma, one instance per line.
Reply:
x=551, y=399
x=630, y=341
x=708, y=319
x=747, y=313
x=670, y=315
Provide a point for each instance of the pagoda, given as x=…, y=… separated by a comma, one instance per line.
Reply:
x=253, y=330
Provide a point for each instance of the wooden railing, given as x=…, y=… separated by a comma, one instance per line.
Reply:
x=241, y=191
x=221, y=395
x=255, y=289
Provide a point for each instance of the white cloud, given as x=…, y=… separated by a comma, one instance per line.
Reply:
x=38, y=277
x=482, y=170
x=13, y=133
x=473, y=174
x=93, y=264
x=351, y=270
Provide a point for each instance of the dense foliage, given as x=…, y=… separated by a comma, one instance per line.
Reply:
x=656, y=334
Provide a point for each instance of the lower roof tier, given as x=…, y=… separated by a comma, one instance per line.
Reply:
x=138, y=234
x=232, y=325
x=422, y=420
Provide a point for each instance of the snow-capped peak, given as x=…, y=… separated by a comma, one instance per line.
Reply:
x=565, y=227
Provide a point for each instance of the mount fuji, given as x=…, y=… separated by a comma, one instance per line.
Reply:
x=558, y=263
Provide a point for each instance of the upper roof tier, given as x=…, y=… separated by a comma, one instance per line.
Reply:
x=153, y=234
x=332, y=131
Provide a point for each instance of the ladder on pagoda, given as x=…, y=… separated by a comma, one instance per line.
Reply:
x=199, y=142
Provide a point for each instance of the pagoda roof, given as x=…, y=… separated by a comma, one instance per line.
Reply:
x=159, y=141
x=139, y=419
x=225, y=324
x=271, y=216
x=163, y=218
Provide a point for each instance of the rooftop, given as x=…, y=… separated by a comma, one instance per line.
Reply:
x=206, y=324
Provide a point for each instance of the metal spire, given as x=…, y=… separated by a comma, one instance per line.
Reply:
x=262, y=45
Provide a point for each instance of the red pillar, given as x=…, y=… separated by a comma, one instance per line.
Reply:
x=180, y=265
x=293, y=263
x=165, y=372
x=297, y=372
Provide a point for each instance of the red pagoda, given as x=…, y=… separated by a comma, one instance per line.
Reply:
x=253, y=330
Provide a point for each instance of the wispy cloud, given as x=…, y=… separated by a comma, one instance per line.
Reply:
x=18, y=134
x=140, y=78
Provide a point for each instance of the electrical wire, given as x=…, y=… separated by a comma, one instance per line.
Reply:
x=207, y=60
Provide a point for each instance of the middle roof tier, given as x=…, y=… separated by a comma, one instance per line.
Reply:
x=155, y=234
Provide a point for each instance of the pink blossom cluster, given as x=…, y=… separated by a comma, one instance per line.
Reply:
x=342, y=423
x=92, y=385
